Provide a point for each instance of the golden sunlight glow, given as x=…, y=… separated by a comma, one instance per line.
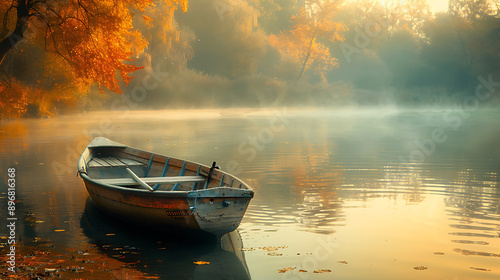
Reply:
x=438, y=5
x=435, y=5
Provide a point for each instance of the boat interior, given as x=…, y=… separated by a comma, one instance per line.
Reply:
x=133, y=169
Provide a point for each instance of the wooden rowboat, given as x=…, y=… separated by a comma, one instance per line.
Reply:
x=160, y=192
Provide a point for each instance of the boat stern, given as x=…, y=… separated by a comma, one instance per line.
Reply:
x=219, y=210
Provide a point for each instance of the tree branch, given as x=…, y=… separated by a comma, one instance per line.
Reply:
x=17, y=35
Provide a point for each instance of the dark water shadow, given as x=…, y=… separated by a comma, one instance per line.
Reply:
x=167, y=256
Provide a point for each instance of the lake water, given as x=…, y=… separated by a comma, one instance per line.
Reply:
x=351, y=194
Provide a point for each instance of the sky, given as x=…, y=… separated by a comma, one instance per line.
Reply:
x=438, y=5
x=435, y=5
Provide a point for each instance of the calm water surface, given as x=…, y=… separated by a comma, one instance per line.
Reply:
x=370, y=194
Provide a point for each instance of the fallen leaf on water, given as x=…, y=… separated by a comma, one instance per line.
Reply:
x=438, y=253
x=248, y=249
x=271, y=248
x=322, y=271
x=285, y=269
x=420, y=267
x=343, y=262
x=59, y=230
x=480, y=268
x=110, y=234
x=201, y=262
x=302, y=270
x=274, y=254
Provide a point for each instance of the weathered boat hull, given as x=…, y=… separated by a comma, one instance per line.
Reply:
x=216, y=210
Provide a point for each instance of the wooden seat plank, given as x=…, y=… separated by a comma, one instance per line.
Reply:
x=129, y=162
x=109, y=161
x=94, y=163
x=101, y=162
x=153, y=180
x=114, y=161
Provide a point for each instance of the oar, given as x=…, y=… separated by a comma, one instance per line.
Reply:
x=210, y=175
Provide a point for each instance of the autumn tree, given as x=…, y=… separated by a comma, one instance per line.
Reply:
x=304, y=43
x=416, y=12
x=471, y=10
x=393, y=16
x=166, y=39
x=362, y=13
x=96, y=38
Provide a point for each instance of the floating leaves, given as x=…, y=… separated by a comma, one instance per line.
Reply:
x=420, y=267
x=343, y=262
x=439, y=253
x=475, y=253
x=46, y=261
x=480, y=268
x=201, y=262
x=322, y=271
x=271, y=250
x=478, y=242
x=283, y=270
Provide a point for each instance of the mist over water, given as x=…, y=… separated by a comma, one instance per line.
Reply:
x=364, y=193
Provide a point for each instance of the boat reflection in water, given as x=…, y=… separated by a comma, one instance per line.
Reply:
x=165, y=256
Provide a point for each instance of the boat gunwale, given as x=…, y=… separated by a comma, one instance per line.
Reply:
x=244, y=193
x=83, y=165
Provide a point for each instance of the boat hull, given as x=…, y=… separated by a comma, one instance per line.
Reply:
x=212, y=211
x=160, y=192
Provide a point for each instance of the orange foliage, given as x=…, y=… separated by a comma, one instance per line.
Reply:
x=303, y=44
x=97, y=38
x=14, y=101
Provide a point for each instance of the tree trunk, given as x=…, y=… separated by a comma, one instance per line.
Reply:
x=15, y=37
x=307, y=56
x=303, y=66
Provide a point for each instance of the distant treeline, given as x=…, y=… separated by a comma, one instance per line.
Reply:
x=250, y=53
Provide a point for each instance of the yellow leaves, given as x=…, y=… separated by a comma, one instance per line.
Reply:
x=182, y=3
x=305, y=42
